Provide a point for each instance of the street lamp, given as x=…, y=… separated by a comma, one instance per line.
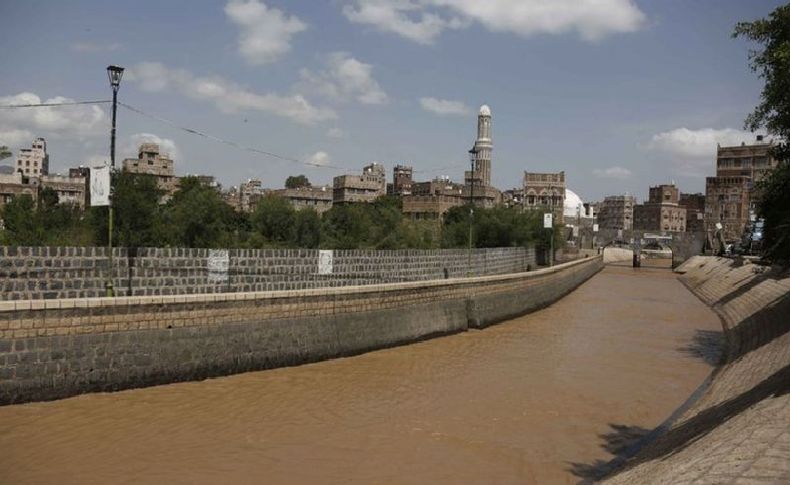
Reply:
x=472, y=160
x=114, y=73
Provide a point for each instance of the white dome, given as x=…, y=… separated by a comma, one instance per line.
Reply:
x=572, y=204
x=485, y=110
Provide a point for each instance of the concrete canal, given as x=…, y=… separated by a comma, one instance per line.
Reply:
x=526, y=401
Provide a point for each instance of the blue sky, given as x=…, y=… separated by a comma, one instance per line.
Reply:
x=621, y=94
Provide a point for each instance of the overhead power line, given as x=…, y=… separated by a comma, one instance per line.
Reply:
x=45, y=105
x=230, y=142
x=207, y=136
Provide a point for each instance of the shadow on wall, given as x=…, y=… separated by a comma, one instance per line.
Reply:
x=707, y=345
x=620, y=441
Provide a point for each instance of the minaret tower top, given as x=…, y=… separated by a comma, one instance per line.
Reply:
x=483, y=146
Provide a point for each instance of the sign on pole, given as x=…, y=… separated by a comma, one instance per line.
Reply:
x=547, y=221
x=100, y=186
x=325, y=257
x=595, y=227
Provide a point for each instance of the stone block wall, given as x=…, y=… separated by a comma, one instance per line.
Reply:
x=56, y=348
x=77, y=272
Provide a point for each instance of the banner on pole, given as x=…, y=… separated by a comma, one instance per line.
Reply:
x=100, y=186
x=547, y=221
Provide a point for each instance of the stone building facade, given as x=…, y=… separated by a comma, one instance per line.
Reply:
x=729, y=196
x=14, y=185
x=316, y=198
x=366, y=187
x=617, y=212
x=402, y=179
x=661, y=212
x=727, y=202
x=70, y=190
x=431, y=200
x=151, y=162
x=695, y=211
x=33, y=161
x=545, y=191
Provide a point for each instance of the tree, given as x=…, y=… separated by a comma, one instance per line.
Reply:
x=307, y=229
x=273, y=218
x=296, y=182
x=136, y=212
x=772, y=63
x=19, y=219
x=196, y=217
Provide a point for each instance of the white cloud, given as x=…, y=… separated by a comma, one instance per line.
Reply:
x=423, y=20
x=92, y=47
x=14, y=139
x=57, y=122
x=444, y=106
x=345, y=78
x=166, y=146
x=613, y=172
x=265, y=32
x=320, y=159
x=683, y=142
x=227, y=96
x=406, y=18
x=335, y=133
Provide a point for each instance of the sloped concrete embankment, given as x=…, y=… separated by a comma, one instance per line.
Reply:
x=738, y=431
x=57, y=348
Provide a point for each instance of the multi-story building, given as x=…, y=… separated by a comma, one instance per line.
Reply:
x=70, y=190
x=250, y=193
x=367, y=187
x=730, y=196
x=401, y=181
x=695, y=211
x=316, y=198
x=431, y=200
x=15, y=185
x=661, y=212
x=617, y=212
x=545, y=191
x=727, y=203
x=150, y=161
x=33, y=161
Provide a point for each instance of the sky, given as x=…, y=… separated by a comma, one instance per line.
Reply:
x=620, y=94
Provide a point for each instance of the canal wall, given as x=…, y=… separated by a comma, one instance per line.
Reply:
x=29, y=273
x=51, y=349
x=738, y=430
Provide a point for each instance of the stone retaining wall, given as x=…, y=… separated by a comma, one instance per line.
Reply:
x=56, y=348
x=738, y=431
x=76, y=272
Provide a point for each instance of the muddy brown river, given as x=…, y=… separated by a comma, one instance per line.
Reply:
x=526, y=401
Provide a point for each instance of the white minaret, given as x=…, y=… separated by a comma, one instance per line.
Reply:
x=483, y=146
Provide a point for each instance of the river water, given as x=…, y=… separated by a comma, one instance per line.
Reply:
x=526, y=401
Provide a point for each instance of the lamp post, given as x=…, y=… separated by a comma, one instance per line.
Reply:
x=472, y=160
x=115, y=73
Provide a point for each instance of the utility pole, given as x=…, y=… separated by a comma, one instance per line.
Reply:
x=114, y=73
x=472, y=159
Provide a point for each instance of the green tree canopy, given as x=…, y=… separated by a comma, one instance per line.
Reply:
x=197, y=217
x=296, y=181
x=772, y=62
x=137, y=217
x=273, y=218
